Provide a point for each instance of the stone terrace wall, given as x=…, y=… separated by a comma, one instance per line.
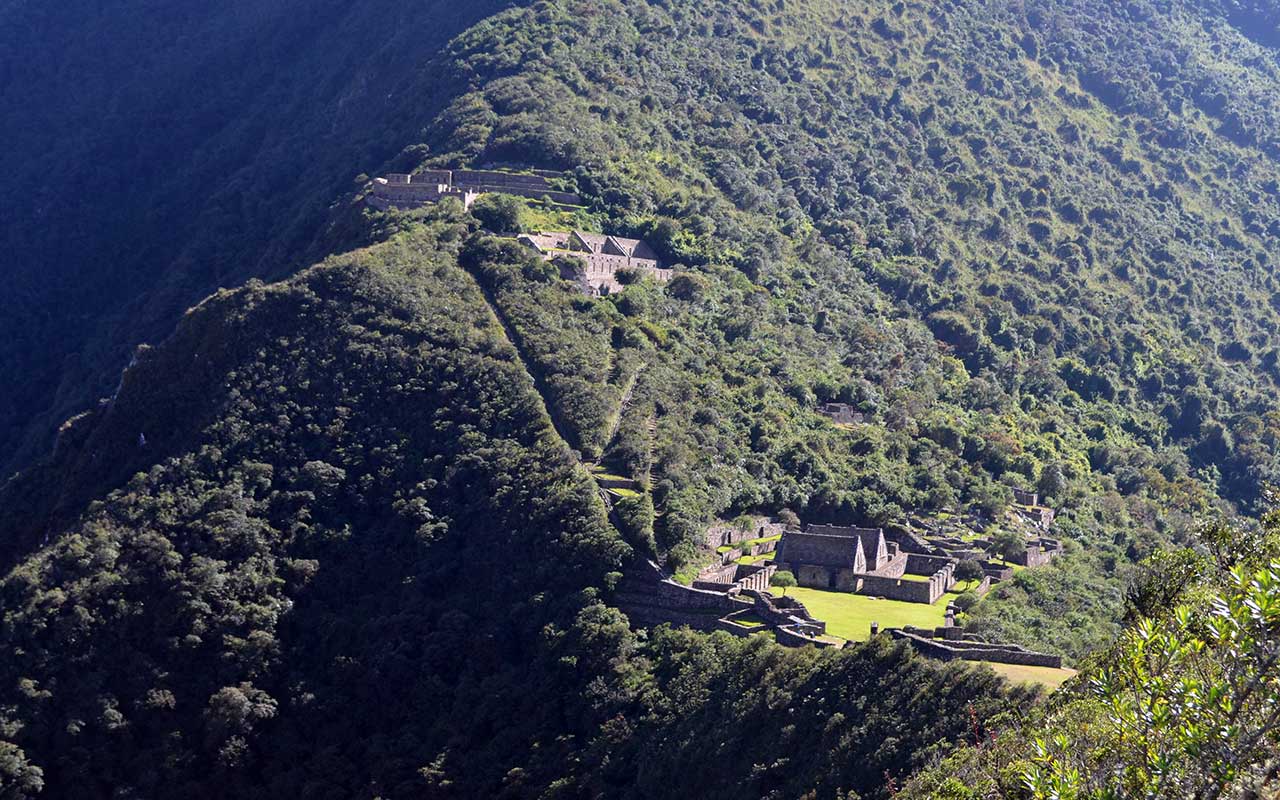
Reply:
x=648, y=598
x=900, y=589
x=977, y=651
x=754, y=577
x=920, y=564
x=532, y=186
x=791, y=637
x=720, y=577
x=911, y=591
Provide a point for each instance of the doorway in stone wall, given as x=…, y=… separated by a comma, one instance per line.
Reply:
x=831, y=579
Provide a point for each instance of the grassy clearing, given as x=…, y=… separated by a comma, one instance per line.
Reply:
x=1050, y=677
x=849, y=616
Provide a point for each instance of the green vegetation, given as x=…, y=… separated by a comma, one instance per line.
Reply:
x=849, y=616
x=1049, y=677
x=353, y=528
x=784, y=580
x=1183, y=704
x=333, y=537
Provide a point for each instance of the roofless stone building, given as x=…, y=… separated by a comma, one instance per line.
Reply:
x=861, y=560
x=604, y=255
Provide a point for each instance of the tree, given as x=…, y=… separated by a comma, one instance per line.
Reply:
x=968, y=570
x=788, y=517
x=1052, y=483
x=1192, y=706
x=499, y=213
x=783, y=580
x=1009, y=545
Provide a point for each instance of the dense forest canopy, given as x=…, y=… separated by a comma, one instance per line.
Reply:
x=335, y=535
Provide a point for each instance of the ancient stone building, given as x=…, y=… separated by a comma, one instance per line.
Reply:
x=602, y=255
x=1025, y=498
x=841, y=413
x=398, y=190
x=431, y=186
x=861, y=560
x=832, y=557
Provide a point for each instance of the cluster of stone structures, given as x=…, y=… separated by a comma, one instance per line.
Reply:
x=904, y=565
x=841, y=413
x=1027, y=515
x=648, y=597
x=402, y=190
x=602, y=255
x=862, y=560
x=951, y=642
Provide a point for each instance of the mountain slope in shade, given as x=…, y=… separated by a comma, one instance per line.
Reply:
x=331, y=546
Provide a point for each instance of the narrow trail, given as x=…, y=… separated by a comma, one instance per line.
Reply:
x=540, y=387
x=615, y=419
x=518, y=344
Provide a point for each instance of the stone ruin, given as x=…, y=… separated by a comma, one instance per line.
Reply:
x=400, y=190
x=648, y=597
x=947, y=538
x=602, y=257
x=721, y=534
x=841, y=413
x=863, y=561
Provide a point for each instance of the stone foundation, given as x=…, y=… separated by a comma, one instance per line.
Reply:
x=972, y=650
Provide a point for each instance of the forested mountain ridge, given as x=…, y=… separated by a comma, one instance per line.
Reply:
x=1031, y=242
x=158, y=154
x=373, y=569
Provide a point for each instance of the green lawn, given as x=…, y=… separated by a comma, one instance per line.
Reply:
x=1050, y=677
x=849, y=616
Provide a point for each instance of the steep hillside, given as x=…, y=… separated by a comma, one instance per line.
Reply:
x=156, y=154
x=356, y=560
x=1082, y=234
x=334, y=536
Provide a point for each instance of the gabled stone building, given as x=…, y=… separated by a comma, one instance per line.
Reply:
x=863, y=561
x=833, y=557
x=602, y=254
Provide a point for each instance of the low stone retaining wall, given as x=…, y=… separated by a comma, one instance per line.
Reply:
x=996, y=572
x=649, y=598
x=615, y=483
x=969, y=650
x=791, y=637
x=757, y=549
x=921, y=564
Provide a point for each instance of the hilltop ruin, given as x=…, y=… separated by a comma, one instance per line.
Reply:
x=602, y=256
x=400, y=190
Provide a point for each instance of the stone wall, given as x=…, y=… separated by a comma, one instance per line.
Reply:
x=996, y=572
x=793, y=637
x=754, y=577
x=762, y=527
x=757, y=549
x=649, y=598
x=722, y=575
x=1038, y=555
x=899, y=589
x=969, y=650
x=844, y=580
x=920, y=564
